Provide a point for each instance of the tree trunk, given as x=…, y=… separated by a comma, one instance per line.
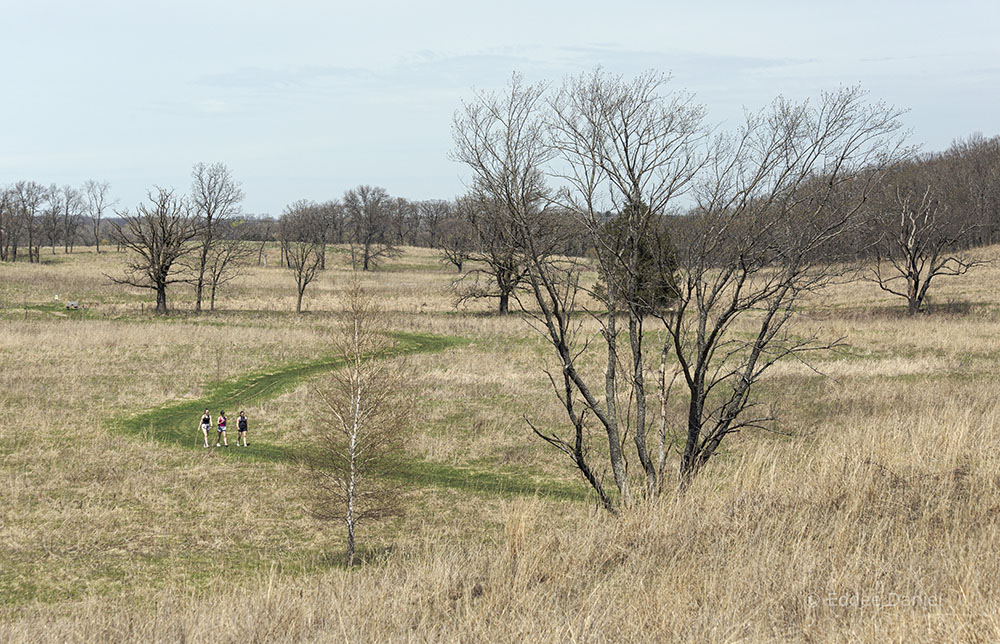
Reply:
x=161, y=298
x=350, y=543
x=912, y=297
x=298, y=303
x=200, y=284
x=504, y=303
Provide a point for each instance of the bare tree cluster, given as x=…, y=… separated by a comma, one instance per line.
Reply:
x=766, y=209
x=33, y=215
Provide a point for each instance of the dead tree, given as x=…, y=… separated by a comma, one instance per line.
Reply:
x=919, y=235
x=361, y=419
x=158, y=236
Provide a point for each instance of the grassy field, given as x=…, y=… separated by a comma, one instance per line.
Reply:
x=872, y=516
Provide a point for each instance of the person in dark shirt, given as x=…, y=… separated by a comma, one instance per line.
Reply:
x=241, y=425
x=206, y=423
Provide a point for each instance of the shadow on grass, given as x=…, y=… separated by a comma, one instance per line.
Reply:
x=175, y=424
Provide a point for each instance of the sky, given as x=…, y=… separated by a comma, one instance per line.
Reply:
x=306, y=99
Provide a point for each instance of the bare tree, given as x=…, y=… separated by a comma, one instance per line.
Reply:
x=368, y=210
x=361, y=420
x=98, y=200
x=918, y=235
x=158, y=236
x=499, y=136
x=72, y=216
x=771, y=199
x=778, y=196
x=404, y=221
x=50, y=221
x=626, y=150
x=331, y=221
x=28, y=199
x=7, y=222
x=300, y=231
x=216, y=197
x=229, y=253
x=432, y=214
x=456, y=239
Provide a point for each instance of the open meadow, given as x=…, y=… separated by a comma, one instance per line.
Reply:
x=872, y=513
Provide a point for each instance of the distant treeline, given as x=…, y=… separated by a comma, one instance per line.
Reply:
x=961, y=186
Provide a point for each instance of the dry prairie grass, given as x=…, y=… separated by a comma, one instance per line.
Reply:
x=888, y=492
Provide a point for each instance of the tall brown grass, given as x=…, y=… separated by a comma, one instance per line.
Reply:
x=872, y=516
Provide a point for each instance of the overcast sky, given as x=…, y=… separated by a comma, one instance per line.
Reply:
x=304, y=99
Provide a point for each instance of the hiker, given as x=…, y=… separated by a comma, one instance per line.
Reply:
x=221, y=433
x=241, y=425
x=206, y=423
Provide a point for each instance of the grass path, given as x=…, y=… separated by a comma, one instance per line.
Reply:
x=175, y=424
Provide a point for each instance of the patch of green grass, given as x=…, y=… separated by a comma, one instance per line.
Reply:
x=176, y=424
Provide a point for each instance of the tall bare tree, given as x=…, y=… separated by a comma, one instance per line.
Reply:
x=777, y=198
x=361, y=421
x=158, y=235
x=753, y=246
x=216, y=198
x=300, y=231
x=627, y=149
x=500, y=137
x=97, y=195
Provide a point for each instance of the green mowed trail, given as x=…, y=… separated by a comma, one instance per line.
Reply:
x=175, y=424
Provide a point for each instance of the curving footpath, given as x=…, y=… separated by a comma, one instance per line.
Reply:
x=174, y=424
